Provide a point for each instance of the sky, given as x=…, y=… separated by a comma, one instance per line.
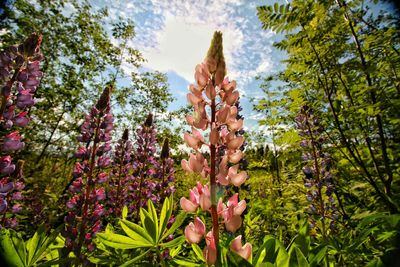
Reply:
x=174, y=36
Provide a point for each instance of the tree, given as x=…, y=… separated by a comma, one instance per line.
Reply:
x=81, y=58
x=343, y=60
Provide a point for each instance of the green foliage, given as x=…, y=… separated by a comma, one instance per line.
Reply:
x=14, y=251
x=150, y=236
x=343, y=61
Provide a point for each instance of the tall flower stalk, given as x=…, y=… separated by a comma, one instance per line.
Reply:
x=19, y=78
x=118, y=195
x=322, y=209
x=83, y=220
x=214, y=100
x=152, y=176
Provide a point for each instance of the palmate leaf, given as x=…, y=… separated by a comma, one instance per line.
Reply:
x=136, y=232
x=39, y=243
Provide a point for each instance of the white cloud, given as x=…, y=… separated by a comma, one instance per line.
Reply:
x=175, y=36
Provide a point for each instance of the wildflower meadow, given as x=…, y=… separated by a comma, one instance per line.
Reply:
x=280, y=149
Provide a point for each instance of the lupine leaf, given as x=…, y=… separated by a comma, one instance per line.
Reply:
x=137, y=258
x=154, y=218
x=136, y=232
x=121, y=241
x=12, y=248
x=178, y=222
x=173, y=243
x=197, y=250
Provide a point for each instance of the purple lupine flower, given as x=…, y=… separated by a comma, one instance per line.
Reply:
x=85, y=208
x=120, y=177
x=19, y=77
x=12, y=142
x=6, y=166
x=318, y=179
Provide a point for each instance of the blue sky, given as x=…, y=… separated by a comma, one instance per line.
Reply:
x=175, y=35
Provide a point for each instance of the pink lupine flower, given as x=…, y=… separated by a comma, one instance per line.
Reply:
x=210, y=251
x=215, y=110
x=199, y=196
x=196, y=163
x=237, y=179
x=195, y=141
x=194, y=232
x=243, y=251
x=231, y=212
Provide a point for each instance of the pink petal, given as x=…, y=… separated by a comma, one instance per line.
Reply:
x=210, y=255
x=241, y=206
x=191, y=141
x=187, y=205
x=236, y=142
x=210, y=91
x=200, y=227
x=197, y=135
x=196, y=163
x=205, y=202
x=236, y=125
x=220, y=206
x=245, y=251
x=233, y=224
x=235, y=157
x=232, y=98
x=223, y=179
x=238, y=179
x=192, y=236
x=185, y=165
x=193, y=100
x=233, y=200
x=222, y=114
x=214, y=136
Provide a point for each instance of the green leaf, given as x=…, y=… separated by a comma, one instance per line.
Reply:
x=12, y=248
x=174, y=243
x=283, y=259
x=136, y=232
x=236, y=260
x=319, y=256
x=124, y=212
x=120, y=241
x=301, y=259
x=182, y=262
x=154, y=218
x=39, y=243
x=149, y=224
x=165, y=215
x=137, y=258
x=178, y=222
x=267, y=249
x=197, y=250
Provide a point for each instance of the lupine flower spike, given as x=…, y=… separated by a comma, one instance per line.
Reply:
x=214, y=100
x=83, y=220
x=19, y=78
x=318, y=177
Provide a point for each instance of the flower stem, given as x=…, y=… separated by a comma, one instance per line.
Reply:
x=213, y=184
